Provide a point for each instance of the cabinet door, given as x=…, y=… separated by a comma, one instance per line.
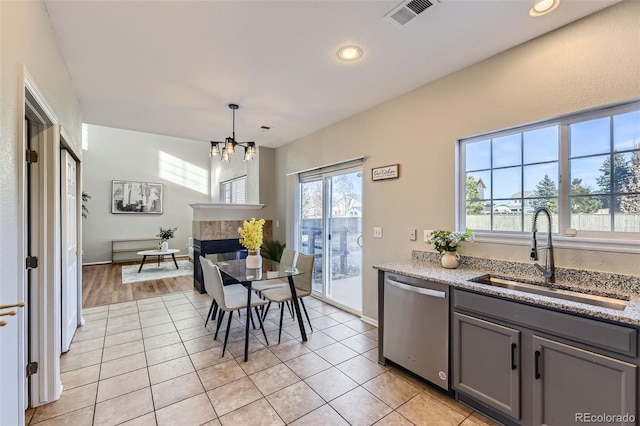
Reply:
x=486, y=363
x=569, y=382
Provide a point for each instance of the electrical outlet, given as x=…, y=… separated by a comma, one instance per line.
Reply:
x=427, y=233
x=412, y=234
x=377, y=232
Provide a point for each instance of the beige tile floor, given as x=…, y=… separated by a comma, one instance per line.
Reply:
x=152, y=362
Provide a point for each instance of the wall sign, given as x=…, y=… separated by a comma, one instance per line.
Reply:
x=386, y=172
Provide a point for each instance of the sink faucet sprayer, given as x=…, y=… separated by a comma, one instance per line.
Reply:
x=548, y=271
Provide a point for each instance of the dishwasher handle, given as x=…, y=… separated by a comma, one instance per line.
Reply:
x=414, y=289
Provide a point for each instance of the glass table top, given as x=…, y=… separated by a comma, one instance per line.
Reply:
x=270, y=270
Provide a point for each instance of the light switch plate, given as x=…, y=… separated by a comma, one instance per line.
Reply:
x=412, y=234
x=427, y=232
x=377, y=232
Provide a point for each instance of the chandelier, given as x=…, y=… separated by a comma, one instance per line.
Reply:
x=230, y=143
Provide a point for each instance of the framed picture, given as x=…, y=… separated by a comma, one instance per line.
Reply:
x=136, y=197
x=386, y=172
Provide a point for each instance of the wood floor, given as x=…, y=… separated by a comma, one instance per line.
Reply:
x=102, y=285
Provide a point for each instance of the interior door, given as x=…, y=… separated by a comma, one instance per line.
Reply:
x=69, y=226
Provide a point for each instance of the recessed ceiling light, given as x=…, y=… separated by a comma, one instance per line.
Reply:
x=542, y=7
x=349, y=53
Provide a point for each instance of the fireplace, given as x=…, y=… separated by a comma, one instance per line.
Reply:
x=215, y=250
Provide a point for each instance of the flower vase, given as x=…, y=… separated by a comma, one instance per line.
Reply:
x=450, y=260
x=164, y=246
x=254, y=260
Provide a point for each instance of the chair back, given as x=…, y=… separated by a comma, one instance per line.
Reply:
x=212, y=281
x=287, y=257
x=304, y=263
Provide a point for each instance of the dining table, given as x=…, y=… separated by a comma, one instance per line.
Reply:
x=236, y=271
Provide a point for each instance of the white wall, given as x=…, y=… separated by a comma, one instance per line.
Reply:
x=116, y=154
x=27, y=39
x=592, y=62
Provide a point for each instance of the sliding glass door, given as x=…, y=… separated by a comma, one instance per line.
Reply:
x=331, y=229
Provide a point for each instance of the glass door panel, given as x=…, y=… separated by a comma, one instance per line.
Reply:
x=343, y=209
x=311, y=227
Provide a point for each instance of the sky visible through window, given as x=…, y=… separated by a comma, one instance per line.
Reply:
x=537, y=151
x=511, y=173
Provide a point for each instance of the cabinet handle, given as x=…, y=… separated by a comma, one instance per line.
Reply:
x=537, y=366
x=513, y=356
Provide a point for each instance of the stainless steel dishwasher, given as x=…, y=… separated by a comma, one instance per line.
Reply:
x=416, y=327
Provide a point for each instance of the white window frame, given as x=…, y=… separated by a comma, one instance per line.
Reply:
x=227, y=186
x=626, y=242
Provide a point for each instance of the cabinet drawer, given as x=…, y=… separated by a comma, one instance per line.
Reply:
x=611, y=337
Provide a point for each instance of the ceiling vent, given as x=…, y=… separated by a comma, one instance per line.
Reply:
x=408, y=10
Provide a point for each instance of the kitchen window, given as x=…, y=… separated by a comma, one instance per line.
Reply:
x=506, y=175
x=233, y=191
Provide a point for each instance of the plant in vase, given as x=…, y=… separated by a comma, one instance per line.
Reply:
x=165, y=235
x=448, y=243
x=251, y=233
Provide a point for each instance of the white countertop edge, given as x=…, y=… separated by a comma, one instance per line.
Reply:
x=459, y=278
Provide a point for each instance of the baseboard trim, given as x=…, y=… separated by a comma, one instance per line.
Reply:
x=369, y=320
x=105, y=262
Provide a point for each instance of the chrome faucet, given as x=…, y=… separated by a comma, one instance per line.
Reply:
x=549, y=271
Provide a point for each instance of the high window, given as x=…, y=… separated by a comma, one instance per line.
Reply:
x=233, y=191
x=585, y=168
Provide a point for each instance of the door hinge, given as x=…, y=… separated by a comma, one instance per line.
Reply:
x=32, y=262
x=32, y=368
x=32, y=156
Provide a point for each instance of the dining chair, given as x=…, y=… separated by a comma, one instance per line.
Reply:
x=228, y=289
x=302, y=283
x=286, y=259
x=229, y=302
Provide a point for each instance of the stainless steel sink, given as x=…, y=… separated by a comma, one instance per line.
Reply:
x=573, y=296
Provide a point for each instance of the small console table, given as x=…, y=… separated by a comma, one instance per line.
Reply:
x=160, y=254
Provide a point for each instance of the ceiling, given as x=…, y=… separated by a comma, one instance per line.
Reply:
x=172, y=67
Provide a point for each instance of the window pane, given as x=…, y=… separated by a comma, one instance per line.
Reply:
x=541, y=145
x=587, y=214
x=541, y=180
x=592, y=172
x=506, y=151
x=506, y=216
x=506, y=182
x=477, y=218
x=623, y=171
x=589, y=137
x=626, y=131
x=627, y=219
x=478, y=186
x=478, y=155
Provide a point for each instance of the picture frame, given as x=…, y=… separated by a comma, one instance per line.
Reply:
x=391, y=171
x=133, y=197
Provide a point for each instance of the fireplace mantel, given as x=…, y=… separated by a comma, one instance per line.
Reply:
x=226, y=206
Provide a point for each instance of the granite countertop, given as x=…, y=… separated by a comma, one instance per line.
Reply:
x=426, y=268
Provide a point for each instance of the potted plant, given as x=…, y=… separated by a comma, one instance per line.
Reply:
x=251, y=233
x=85, y=198
x=272, y=250
x=448, y=243
x=165, y=235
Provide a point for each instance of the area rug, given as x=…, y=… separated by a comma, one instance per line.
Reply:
x=151, y=271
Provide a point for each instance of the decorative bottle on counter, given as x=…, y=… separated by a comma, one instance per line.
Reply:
x=450, y=259
x=254, y=259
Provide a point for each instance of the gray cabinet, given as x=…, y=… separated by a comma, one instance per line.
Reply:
x=571, y=382
x=486, y=363
x=533, y=366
